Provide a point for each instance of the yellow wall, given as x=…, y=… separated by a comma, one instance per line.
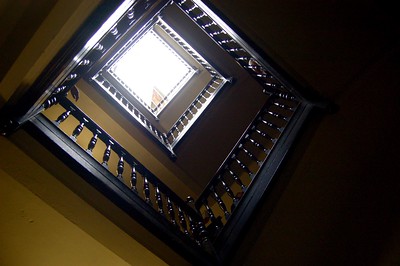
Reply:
x=44, y=223
x=33, y=233
x=336, y=204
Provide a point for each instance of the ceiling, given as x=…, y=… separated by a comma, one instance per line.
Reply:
x=337, y=201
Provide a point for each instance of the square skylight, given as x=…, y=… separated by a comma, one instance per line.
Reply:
x=158, y=78
x=151, y=71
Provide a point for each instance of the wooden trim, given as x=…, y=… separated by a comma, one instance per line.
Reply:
x=229, y=237
x=23, y=105
x=118, y=193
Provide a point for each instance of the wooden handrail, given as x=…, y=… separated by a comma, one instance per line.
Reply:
x=240, y=182
x=125, y=157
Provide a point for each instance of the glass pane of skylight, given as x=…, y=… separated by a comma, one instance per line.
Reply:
x=151, y=71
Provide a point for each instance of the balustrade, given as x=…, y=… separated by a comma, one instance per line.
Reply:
x=157, y=195
x=241, y=166
x=184, y=122
x=195, y=109
x=223, y=35
x=222, y=197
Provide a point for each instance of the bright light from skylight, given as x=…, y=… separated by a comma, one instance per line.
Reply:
x=152, y=71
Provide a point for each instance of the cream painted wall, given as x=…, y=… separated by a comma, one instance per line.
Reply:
x=33, y=233
x=42, y=222
x=55, y=230
x=336, y=204
x=47, y=224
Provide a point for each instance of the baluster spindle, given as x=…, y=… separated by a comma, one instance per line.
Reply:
x=190, y=112
x=106, y=155
x=133, y=178
x=285, y=95
x=283, y=106
x=226, y=41
x=59, y=90
x=194, y=107
x=71, y=76
x=208, y=25
x=202, y=235
x=277, y=115
x=229, y=192
x=274, y=86
x=99, y=47
x=202, y=97
x=216, y=223
x=200, y=16
x=92, y=142
x=159, y=200
x=220, y=202
x=208, y=67
x=191, y=8
x=85, y=62
x=52, y=100
x=149, y=125
x=213, y=89
x=243, y=58
x=182, y=221
x=216, y=33
x=146, y=190
x=165, y=138
x=226, y=187
x=209, y=211
x=114, y=31
x=185, y=117
x=158, y=133
x=271, y=125
x=257, y=144
x=120, y=168
x=263, y=75
x=193, y=229
x=141, y=117
x=234, y=50
x=236, y=178
x=177, y=129
x=263, y=134
x=171, y=211
x=248, y=153
x=180, y=121
x=131, y=13
x=62, y=117
x=198, y=103
x=217, y=81
x=242, y=165
x=78, y=130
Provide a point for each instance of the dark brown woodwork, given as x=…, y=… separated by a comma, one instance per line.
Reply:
x=283, y=115
x=133, y=179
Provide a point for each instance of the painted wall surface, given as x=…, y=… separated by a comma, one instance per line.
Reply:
x=44, y=223
x=336, y=203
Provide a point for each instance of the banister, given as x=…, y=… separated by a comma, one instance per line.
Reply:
x=128, y=157
x=225, y=172
x=121, y=195
x=241, y=180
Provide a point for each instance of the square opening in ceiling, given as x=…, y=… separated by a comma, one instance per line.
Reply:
x=151, y=71
x=156, y=76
